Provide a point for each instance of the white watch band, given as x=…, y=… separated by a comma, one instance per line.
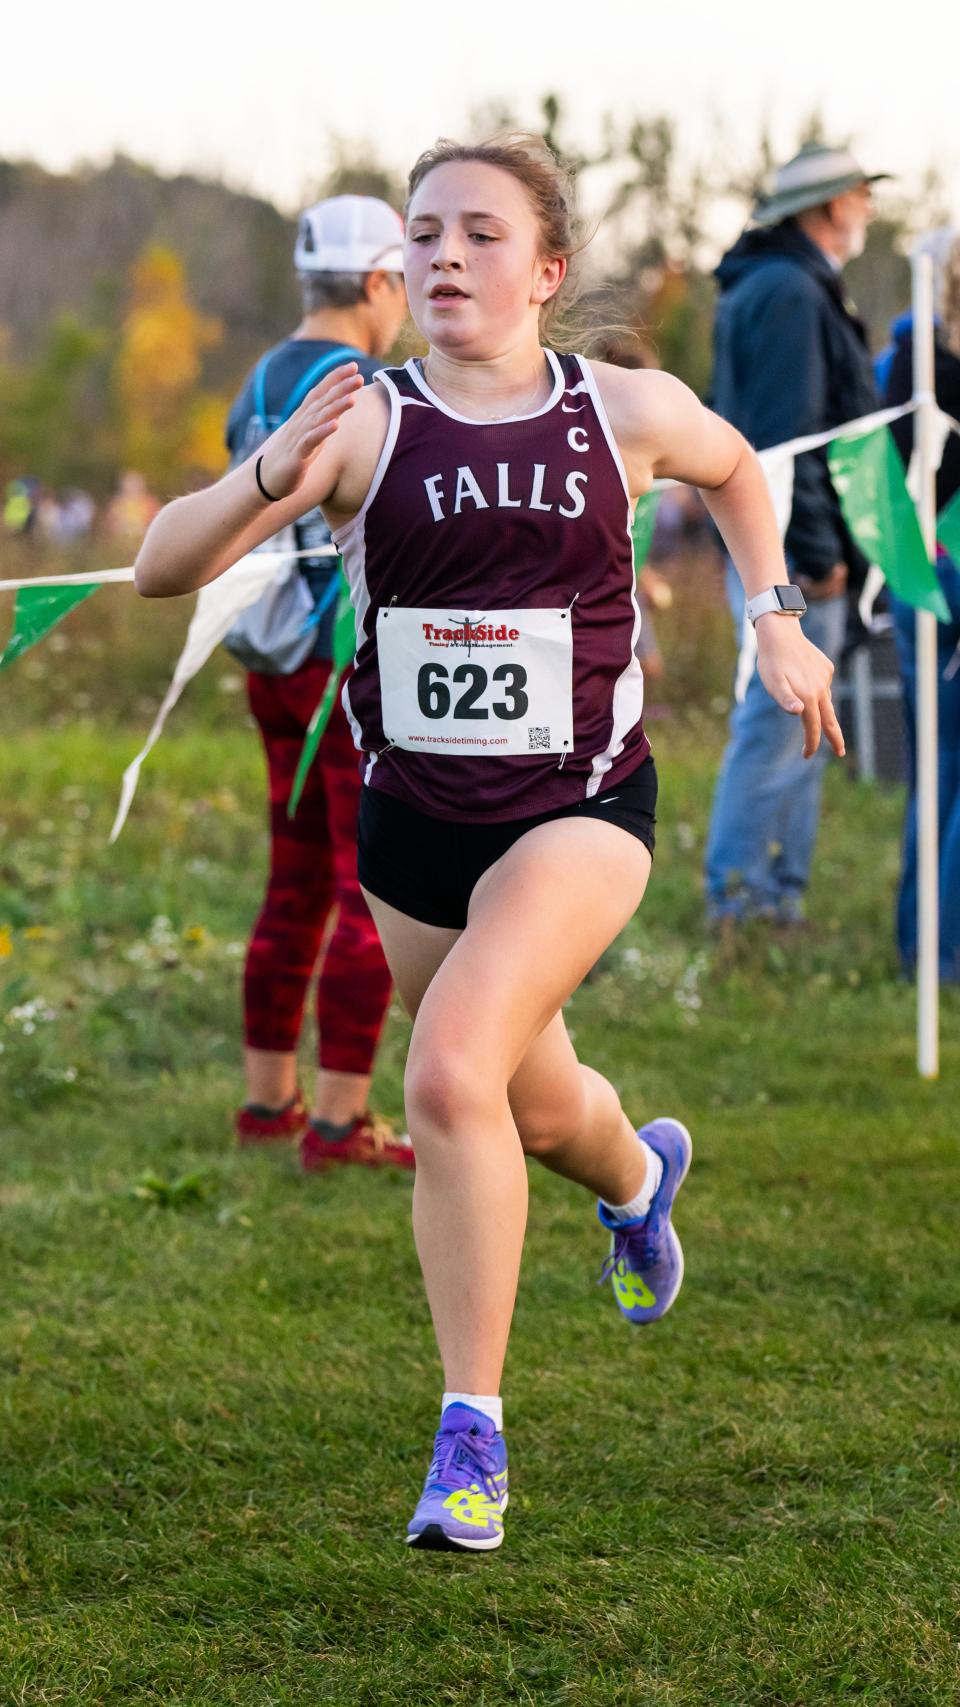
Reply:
x=768, y=600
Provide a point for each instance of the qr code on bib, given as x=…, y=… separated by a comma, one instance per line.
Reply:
x=539, y=735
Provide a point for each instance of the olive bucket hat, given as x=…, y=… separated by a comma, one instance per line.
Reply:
x=812, y=178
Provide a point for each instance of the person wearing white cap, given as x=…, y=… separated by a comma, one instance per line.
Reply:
x=349, y=262
x=790, y=358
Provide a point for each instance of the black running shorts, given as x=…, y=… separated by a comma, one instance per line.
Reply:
x=427, y=867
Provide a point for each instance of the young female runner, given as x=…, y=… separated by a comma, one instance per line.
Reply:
x=481, y=500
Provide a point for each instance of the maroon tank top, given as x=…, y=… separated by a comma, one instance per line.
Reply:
x=491, y=570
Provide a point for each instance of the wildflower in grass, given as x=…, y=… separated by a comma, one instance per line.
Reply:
x=6, y=942
x=26, y=1016
x=37, y=933
x=59, y=1075
x=160, y=946
x=196, y=933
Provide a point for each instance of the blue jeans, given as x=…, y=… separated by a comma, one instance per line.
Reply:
x=767, y=801
x=948, y=771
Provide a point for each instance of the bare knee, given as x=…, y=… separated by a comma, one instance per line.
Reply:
x=447, y=1095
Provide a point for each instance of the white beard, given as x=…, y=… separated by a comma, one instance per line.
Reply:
x=856, y=243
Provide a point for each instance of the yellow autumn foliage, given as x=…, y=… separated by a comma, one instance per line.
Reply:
x=166, y=429
x=204, y=448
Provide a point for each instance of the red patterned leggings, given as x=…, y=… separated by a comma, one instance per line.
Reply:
x=313, y=870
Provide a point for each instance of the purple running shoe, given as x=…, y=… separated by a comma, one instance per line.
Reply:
x=465, y=1493
x=645, y=1265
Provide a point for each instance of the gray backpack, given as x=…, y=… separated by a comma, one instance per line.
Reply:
x=276, y=633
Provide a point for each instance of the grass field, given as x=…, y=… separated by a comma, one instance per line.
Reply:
x=217, y=1377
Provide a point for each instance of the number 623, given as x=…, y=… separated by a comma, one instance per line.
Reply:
x=434, y=696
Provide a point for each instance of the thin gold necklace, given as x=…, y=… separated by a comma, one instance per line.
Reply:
x=492, y=419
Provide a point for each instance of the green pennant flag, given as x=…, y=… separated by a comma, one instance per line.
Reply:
x=644, y=522
x=868, y=478
x=948, y=527
x=36, y=611
x=344, y=650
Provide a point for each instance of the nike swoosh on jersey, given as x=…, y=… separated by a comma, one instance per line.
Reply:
x=608, y=799
x=577, y=411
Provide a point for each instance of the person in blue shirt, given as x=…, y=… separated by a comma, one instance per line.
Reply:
x=349, y=263
x=944, y=247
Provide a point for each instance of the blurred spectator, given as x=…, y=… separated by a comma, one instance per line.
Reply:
x=652, y=593
x=682, y=523
x=66, y=517
x=20, y=501
x=944, y=246
x=791, y=358
x=349, y=262
x=132, y=508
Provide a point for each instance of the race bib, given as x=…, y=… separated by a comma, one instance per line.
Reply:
x=484, y=683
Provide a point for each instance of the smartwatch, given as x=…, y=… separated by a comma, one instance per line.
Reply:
x=789, y=601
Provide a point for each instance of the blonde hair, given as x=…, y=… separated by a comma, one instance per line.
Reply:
x=550, y=191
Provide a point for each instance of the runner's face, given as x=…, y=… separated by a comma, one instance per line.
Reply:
x=474, y=272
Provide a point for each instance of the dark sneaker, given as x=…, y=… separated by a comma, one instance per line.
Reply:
x=368, y=1140
x=645, y=1265
x=465, y=1494
x=255, y=1124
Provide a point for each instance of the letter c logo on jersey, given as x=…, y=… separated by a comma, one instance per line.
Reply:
x=577, y=440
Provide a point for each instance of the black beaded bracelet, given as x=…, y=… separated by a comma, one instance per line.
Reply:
x=268, y=495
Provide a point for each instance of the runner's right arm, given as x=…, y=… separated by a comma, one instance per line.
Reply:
x=194, y=539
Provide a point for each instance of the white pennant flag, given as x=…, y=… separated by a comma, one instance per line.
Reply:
x=217, y=605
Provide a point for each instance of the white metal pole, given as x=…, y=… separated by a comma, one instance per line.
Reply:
x=928, y=852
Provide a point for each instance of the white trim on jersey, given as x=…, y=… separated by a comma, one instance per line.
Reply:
x=593, y=389
x=338, y=535
x=350, y=540
x=356, y=731
x=628, y=687
x=413, y=370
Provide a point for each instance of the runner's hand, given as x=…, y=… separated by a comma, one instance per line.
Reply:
x=797, y=675
x=291, y=449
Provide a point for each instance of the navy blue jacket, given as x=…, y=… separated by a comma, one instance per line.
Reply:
x=947, y=389
x=791, y=357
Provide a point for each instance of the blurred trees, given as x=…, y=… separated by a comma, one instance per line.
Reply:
x=94, y=400
x=131, y=306
x=42, y=403
x=164, y=416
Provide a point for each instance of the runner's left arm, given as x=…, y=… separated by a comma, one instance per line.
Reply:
x=664, y=432
x=195, y=538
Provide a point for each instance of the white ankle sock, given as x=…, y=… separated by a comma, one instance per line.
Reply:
x=490, y=1404
x=639, y=1205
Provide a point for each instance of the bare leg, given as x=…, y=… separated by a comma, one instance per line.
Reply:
x=339, y=1097
x=569, y=1117
x=271, y=1076
x=538, y=921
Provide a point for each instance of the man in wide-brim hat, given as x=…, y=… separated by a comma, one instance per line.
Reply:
x=815, y=178
x=791, y=358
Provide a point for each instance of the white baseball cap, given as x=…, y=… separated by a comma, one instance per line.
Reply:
x=349, y=234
